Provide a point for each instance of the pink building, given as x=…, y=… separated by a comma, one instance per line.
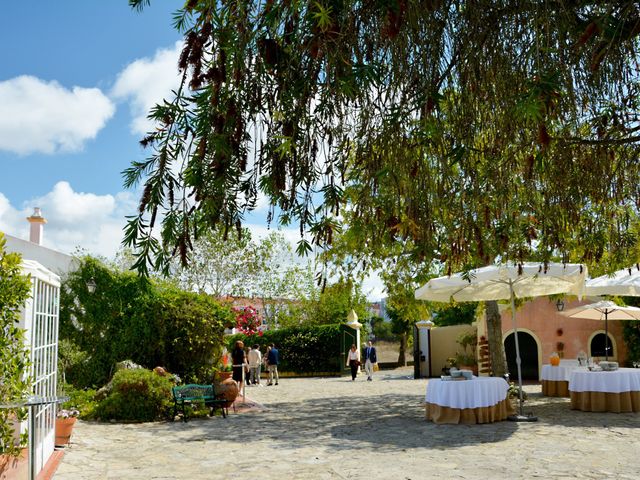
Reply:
x=542, y=330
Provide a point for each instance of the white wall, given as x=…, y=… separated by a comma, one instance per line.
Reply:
x=58, y=262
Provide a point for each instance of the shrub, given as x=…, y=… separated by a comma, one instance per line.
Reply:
x=302, y=349
x=137, y=395
x=14, y=361
x=79, y=399
x=194, y=333
x=151, y=322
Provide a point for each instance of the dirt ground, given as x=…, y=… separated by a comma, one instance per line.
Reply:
x=388, y=351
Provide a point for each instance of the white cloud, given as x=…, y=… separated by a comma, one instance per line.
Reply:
x=146, y=82
x=9, y=216
x=91, y=222
x=67, y=207
x=45, y=117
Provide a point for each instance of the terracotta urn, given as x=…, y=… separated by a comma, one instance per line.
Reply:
x=64, y=428
x=13, y=467
x=222, y=376
x=228, y=390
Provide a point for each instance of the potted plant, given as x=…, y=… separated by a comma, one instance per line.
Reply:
x=451, y=363
x=224, y=372
x=224, y=369
x=467, y=360
x=65, y=420
x=513, y=394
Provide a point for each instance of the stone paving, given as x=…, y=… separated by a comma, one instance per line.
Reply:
x=333, y=428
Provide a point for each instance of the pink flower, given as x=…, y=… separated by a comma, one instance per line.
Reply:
x=247, y=320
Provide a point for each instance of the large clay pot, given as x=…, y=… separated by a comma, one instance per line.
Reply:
x=64, y=428
x=228, y=390
x=222, y=376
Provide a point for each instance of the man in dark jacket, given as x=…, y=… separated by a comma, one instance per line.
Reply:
x=273, y=358
x=370, y=359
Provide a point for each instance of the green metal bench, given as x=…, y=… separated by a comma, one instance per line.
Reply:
x=188, y=394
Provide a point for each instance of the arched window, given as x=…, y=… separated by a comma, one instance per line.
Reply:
x=597, y=346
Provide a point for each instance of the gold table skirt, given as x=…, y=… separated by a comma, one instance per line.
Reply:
x=606, y=402
x=553, y=388
x=496, y=413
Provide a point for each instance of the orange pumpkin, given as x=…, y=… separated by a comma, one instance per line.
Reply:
x=554, y=360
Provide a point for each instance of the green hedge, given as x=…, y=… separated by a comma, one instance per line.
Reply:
x=137, y=395
x=302, y=349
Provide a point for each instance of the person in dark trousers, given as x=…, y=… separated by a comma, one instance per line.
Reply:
x=273, y=357
x=370, y=359
x=353, y=361
x=239, y=359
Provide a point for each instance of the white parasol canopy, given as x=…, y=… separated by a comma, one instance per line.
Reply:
x=604, y=310
x=508, y=281
x=496, y=282
x=623, y=282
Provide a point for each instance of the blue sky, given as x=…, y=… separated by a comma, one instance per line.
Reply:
x=77, y=78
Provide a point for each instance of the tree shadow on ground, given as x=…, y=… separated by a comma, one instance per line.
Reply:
x=384, y=422
x=557, y=411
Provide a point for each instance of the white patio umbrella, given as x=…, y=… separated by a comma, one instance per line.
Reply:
x=623, y=282
x=604, y=310
x=502, y=282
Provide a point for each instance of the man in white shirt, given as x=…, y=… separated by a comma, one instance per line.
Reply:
x=255, y=360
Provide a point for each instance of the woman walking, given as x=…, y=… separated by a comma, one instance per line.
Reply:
x=353, y=361
x=238, y=358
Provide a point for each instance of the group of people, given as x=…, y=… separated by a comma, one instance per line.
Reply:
x=370, y=360
x=248, y=363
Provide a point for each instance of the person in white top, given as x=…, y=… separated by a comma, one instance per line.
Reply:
x=255, y=361
x=353, y=361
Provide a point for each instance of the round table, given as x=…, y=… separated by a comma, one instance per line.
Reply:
x=480, y=400
x=555, y=379
x=616, y=391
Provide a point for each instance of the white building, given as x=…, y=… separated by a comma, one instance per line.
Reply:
x=39, y=319
x=33, y=249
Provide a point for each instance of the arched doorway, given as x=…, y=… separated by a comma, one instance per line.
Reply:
x=597, y=346
x=528, y=355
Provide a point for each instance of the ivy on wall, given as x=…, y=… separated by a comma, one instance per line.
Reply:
x=128, y=317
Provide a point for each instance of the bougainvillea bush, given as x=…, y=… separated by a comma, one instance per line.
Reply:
x=247, y=320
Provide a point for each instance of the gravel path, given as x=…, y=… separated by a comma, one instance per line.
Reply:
x=332, y=428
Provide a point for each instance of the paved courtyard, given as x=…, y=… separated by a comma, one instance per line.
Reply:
x=332, y=428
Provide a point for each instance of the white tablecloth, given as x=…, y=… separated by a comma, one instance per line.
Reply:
x=476, y=393
x=561, y=373
x=621, y=380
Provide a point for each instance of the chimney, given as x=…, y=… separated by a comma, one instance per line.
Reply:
x=37, y=222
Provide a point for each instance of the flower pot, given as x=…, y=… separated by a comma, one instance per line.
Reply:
x=227, y=390
x=14, y=467
x=222, y=376
x=64, y=428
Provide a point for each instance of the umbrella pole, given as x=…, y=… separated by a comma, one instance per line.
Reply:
x=606, y=335
x=521, y=417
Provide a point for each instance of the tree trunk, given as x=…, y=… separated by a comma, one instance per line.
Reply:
x=402, y=359
x=494, y=338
